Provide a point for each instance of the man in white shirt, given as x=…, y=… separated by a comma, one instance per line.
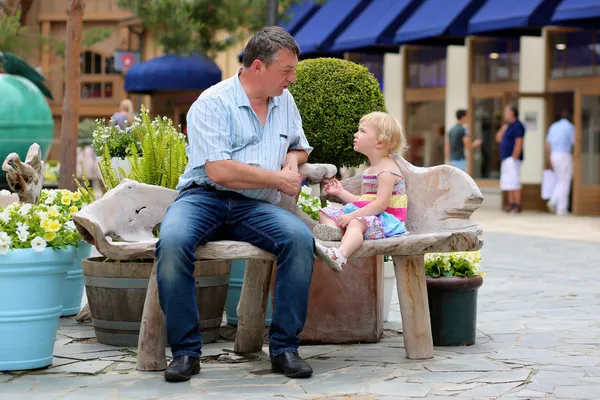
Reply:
x=559, y=144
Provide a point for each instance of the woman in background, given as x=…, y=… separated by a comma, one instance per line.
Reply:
x=125, y=116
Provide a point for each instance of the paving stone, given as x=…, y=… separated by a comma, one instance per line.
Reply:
x=449, y=377
x=577, y=392
x=342, y=382
x=249, y=380
x=529, y=394
x=91, y=393
x=592, y=371
x=578, y=361
x=92, y=356
x=492, y=390
x=124, y=367
x=78, y=348
x=58, y=361
x=260, y=391
x=4, y=378
x=465, y=364
x=517, y=375
x=84, y=367
x=80, y=334
x=391, y=388
x=222, y=373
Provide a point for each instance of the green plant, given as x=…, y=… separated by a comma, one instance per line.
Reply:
x=310, y=205
x=332, y=95
x=46, y=224
x=163, y=157
x=114, y=139
x=462, y=264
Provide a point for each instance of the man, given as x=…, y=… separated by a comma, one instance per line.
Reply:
x=559, y=143
x=245, y=144
x=458, y=140
x=510, y=136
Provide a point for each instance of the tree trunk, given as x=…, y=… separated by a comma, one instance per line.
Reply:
x=70, y=116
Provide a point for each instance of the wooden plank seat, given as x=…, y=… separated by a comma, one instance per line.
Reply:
x=440, y=203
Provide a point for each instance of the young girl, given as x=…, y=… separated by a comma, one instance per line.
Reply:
x=380, y=211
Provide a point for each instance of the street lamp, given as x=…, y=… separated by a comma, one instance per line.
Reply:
x=271, y=12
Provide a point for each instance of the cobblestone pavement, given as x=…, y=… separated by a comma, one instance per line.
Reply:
x=538, y=337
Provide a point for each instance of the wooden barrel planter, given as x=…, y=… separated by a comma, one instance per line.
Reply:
x=116, y=292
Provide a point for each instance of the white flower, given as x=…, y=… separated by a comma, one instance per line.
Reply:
x=3, y=249
x=70, y=225
x=5, y=239
x=38, y=244
x=50, y=199
x=5, y=192
x=4, y=217
x=306, y=190
x=25, y=209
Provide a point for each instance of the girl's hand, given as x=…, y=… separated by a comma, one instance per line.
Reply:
x=344, y=220
x=334, y=187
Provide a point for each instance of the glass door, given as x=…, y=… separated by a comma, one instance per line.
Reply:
x=586, y=179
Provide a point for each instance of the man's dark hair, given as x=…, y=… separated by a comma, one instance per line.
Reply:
x=565, y=114
x=460, y=113
x=513, y=108
x=266, y=43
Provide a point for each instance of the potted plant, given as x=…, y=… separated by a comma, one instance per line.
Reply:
x=68, y=203
x=112, y=143
x=37, y=248
x=453, y=280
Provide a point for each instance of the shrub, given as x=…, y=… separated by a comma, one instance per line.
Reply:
x=464, y=264
x=112, y=138
x=332, y=95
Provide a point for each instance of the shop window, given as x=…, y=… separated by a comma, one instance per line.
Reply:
x=574, y=54
x=496, y=60
x=425, y=133
x=590, y=143
x=98, y=76
x=427, y=67
x=373, y=62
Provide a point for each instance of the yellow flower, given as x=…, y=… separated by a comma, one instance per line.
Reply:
x=51, y=225
x=49, y=236
x=45, y=223
x=73, y=209
x=53, y=212
x=75, y=196
x=66, y=198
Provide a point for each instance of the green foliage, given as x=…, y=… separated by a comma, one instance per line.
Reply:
x=183, y=26
x=85, y=189
x=156, y=151
x=310, y=205
x=116, y=140
x=462, y=264
x=332, y=95
x=163, y=147
x=16, y=38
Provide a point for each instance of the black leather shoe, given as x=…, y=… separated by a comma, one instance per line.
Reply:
x=291, y=365
x=182, y=368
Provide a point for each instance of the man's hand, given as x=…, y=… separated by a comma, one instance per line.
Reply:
x=344, y=220
x=289, y=181
x=477, y=143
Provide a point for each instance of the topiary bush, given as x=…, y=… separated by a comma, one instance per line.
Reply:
x=332, y=95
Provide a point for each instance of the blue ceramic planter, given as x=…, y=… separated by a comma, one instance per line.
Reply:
x=31, y=293
x=73, y=291
x=238, y=268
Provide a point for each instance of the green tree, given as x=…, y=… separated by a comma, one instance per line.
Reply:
x=186, y=26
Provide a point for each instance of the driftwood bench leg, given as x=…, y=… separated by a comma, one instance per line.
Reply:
x=252, y=308
x=414, y=306
x=153, y=331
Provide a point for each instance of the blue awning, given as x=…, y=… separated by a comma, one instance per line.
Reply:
x=584, y=13
x=172, y=72
x=438, y=22
x=512, y=17
x=298, y=14
x=376, y=25
x=319, y=33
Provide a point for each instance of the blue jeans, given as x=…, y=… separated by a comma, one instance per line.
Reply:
x=460, y=164
x=203, y=214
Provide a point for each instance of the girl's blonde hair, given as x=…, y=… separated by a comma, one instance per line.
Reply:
x=127, y=106
x=390, y=131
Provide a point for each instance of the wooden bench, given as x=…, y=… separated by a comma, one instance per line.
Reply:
x=440, y=202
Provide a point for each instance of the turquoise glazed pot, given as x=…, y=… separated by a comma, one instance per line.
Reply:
x=31, y=294
x=74, y=286
x=238, y=268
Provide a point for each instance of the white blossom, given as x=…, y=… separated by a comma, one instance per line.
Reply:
x=38, y=244
x=3, y=249
x=25, y=208
x=5, y=192
x=4, y=217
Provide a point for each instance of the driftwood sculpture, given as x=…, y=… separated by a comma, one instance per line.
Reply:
x=25, y=179
x=440, y=203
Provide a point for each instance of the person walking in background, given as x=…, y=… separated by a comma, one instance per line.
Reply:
x=559, y=144
x=125, y=116
x=458, y=140
x=510, y=136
